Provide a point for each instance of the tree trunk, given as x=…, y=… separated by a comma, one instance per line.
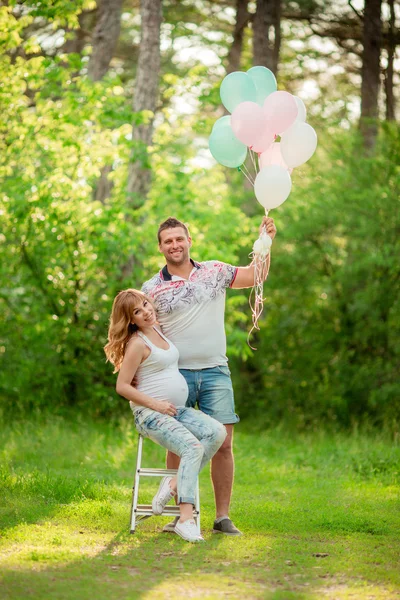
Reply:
x=277, y=15
x=104, y=41
x=390, y=100
x=235, y=51
x=104, y=185
x=145, y=98
x=105, y=37
x=370, y=73
x=267, y=34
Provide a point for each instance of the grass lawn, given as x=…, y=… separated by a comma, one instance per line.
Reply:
x=320, y=516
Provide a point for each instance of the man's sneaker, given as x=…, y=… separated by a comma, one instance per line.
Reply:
x=188, y=531
x=226, y=526
x=170, y=527
x=163, y=496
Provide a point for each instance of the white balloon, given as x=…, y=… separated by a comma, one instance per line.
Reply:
x=272, y=186
x=298, y=144
x=302, y=112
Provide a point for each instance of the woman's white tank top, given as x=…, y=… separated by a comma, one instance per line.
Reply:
x=158, y=375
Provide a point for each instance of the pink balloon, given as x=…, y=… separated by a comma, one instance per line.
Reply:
x=280, y=110
x=272, y=156
x=247, y=122
x=265, y=139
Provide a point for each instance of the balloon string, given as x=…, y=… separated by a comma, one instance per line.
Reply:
x=247, y=174
x=253, y=161
x=256, y=298
x=244, y=167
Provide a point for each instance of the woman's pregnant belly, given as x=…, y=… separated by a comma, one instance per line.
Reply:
x=168, y=385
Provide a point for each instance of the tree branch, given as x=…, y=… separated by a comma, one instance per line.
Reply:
x=359, y=15
x=38, y=279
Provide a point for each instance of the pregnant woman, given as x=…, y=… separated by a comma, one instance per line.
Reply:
x=138, y=349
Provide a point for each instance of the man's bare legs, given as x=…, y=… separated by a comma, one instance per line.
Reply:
x=172, y=461
x=222, y=469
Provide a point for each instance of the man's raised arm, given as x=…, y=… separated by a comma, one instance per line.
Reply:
x=245, y=275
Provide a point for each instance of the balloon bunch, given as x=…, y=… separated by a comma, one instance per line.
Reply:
x=270, y=126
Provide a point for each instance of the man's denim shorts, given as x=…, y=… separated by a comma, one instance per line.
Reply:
x=211, y=390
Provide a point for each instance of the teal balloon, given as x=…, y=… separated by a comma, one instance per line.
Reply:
x=222, y=122
x=225, y=147
x=236, y=88
x=264, y=81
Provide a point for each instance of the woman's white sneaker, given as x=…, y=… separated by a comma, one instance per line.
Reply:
x=163, y=496
x=188, y=531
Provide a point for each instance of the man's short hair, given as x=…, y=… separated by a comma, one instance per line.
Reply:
x=169, y=224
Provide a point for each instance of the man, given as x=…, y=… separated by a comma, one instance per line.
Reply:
x=190, y=301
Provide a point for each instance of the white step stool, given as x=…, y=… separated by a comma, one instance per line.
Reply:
x=140, y=512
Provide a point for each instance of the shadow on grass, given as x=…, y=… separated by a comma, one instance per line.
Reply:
x=272, y=561
x=151, y=565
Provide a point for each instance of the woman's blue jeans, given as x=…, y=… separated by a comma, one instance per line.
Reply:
x=190, y=434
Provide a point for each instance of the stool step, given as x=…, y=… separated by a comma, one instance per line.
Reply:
x=145, y=509
x=157, y=472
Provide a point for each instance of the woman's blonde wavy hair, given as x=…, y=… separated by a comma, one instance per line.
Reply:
x=121, y=328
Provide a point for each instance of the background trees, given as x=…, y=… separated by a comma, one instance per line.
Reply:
x=82, y=193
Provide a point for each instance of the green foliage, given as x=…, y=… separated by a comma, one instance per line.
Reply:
x=60, y=12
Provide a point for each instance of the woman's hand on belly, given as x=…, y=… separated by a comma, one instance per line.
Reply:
x=165, y=408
